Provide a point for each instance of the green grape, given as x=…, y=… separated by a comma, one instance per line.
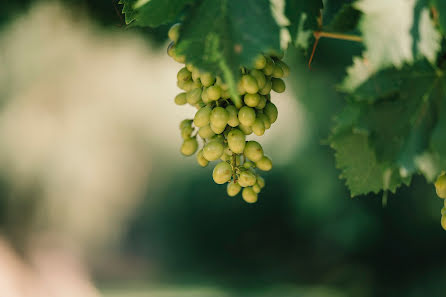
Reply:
x=189, y=146
x=245, y=129
x=260, y=62
x=193, y=96
x=440, y=186
x=265, y=119
x=174, y=32
x=236, y=141
x=252, y=100
x=253, y=151
x=228, y=150
x=179, y=58
x=256, y=188
x=260, y=78
x=219, y=82
x=195, y=74
x=233, y=118
x=191, y=68
x=443, y=222
x=258, y=127
x=214, y=93
x=171, y=49
x=248, y=165
x=267, y=88
x=264, y=164
x=213, y=150
x=185, y=123
x=184, y=74
x=246, y=116
x=285, y=68
x=240, y=88
x=199, y=104
x=201, y=159
x=187, y=132
x=207, y=79
x=278, y=85
x=206, y=132
x=233, y=189
x=443, y=211
x=202, y=116
x=249, y=195
x=225, y=157
x=278, y=71
x=271, y=112
x=180, y=99
x=262, y=103
x=250, y=84
x=261, y=182
x=225, y=94
x=219, y=138
x=222, y=173
x=204, y=96
x=247, y=179
x=269, y=67
x=217, y=129
x=219, y=117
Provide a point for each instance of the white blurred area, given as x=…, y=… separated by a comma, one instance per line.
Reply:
x=83, y=115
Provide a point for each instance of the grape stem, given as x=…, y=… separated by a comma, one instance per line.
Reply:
x=234, y=165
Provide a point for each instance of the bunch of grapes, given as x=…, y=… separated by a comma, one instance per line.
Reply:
x=222, y=126
x=440, y=187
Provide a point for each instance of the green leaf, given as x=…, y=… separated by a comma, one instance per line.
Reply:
x=153, y=13
x=228, y=35
x=346, y=19
x=303, y=17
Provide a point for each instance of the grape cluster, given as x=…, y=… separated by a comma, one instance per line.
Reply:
x=440, y=187
x=223, y=126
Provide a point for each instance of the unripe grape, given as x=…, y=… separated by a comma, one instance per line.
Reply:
x=202, y=116
x=443, y=222
x=233, y=189
x=262, y=102
x=204, y=96
x=193, y=96
x=264, y=164
x=233, y=118
x=184, y=74
x=214, y=93
x=440, y=186
x=222, y=173
x=260, y=77
x=260, y=62
x=240, y=88
x=189, y=146
x=253, y=151
x=258, y=127
x=267, y=88
x=269, y=67
x=185, y=123
x=247, y=179
x=174, y=32
x=236, y=141
x=261, y=182
x=219, y=117
x=271, y=112
x=250, y=84
x=201, y=159
x=285, y=68
x=252, y=100
x=187, y=132
x=207, y=79
x=180, y=99
x=245, y=129
x=278, y=85
x=213, y=150
x=256, y=188
x=265, y=119
x=246, y=116
x=277, y=72
x=248, y=165
x=249, y=195
x=206, y=132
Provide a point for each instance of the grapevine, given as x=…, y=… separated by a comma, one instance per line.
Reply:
x=218, y=132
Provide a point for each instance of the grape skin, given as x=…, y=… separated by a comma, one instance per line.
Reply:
x=222, y=173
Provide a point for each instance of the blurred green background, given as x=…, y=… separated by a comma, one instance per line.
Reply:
x=305, y=237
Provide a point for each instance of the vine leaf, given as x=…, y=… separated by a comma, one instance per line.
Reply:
x=303, y=17
x=346, y=19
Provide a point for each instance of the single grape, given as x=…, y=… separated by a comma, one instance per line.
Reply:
x=184, y=74
x=252, y=100
x=271, y=112
x=260, y=78
x=180, y=99
x=246, y=116
x=185, y=123
x=233, y=118
x=265, y=119
x=204, y=96
x=213, y=150
x=245, y=129
x=240, y=88
x=264, y=164
x=187, y=132
x=440, y=186
x=278, y=71
x=222, y=173
x=250, y=84
x=260, y=62
x=247, y=179
x=278, y=85
x=249, y=195
x=220, y=138
x=267, y=88
x=256, y=188
x=171, y=49
x=179, y=58
x=443, y=222
x=174, y=32
x=202, y=116
x=236, y=141
x=261, y=182
x=206, y=132
x=201, y=159
x=253, y=151
x=249, y=164
x=262, y=102
x=191, y=68
x=189, y=146
x=285, y=68
x=195, y=75
x=269, y=67
x=225, y=157
x=443, y=211
x=217, y=129
x=219, y=117
x=233, y=189
x=258, y=127
x=207, y=79
x=193, y=96
x=214, y=93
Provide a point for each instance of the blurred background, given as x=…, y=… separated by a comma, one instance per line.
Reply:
x=96, y=200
